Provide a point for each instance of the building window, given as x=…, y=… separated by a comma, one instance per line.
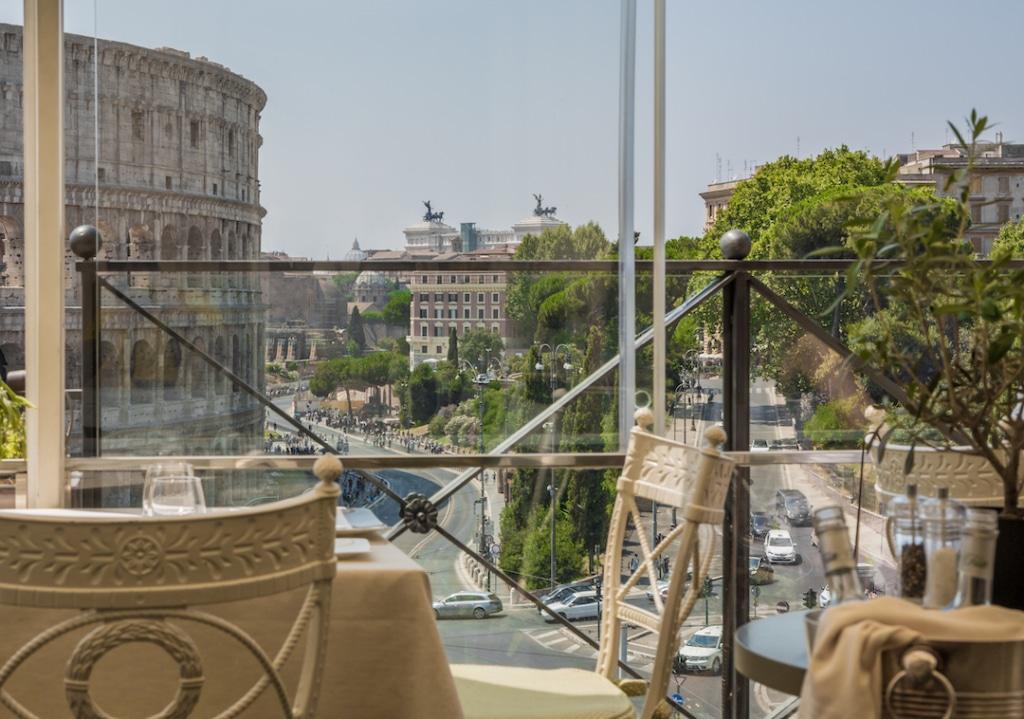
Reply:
x=167, y=182
x=976, y=214
x=193, y=133
x=423, y=313
x=440, y=280
x=215, y=188
x=494, y=329
x=494, y=297
x=453, y=298
x=975, y=184
x=1004, y=213
x=424, y=297
x=438, y=297
x=231, y=143
x=423, y=280
x=101, y=174
x=438, y=313
x=465, y=328
x=480, y=313
x=480, y=297
x=494, y=278
x=453, y=314
x=466, y=313
x=438, y=331
x=1004, y=186
x=465, y=297
x=438, y=350
x=423, y=332
x=465, y=279
x=494, y=313
x=423, y=349
x=454, y=279
x=138, y=125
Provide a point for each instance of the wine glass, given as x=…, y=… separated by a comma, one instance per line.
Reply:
x=172, y=489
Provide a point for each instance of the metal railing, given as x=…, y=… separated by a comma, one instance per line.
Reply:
x=734, y=281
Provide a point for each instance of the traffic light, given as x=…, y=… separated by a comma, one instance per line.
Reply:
x=706, y=590
x=811, y=599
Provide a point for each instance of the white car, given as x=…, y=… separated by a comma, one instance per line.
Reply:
x=779, y=547
x=703, y=651
x=759, y=445
x=581, y=605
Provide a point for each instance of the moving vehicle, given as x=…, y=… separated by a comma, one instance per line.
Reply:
x=759, y=445
x=793, y=505
x=564, y=591
x=760, y=523
x=467, y=604
x=761, y=572
x=582, y=605
x=662, y=587
x=779, y=547
x=702, y=652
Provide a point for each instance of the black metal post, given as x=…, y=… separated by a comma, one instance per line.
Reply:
x=85, y=243
x=735, y=538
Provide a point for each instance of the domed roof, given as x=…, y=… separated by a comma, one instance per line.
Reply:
x=356, y=254
x=372, y=278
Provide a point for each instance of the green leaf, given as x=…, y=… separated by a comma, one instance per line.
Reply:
x=908, y=463
x=999, y=347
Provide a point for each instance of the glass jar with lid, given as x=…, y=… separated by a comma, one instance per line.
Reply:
x=904, y=530
x=943, y=529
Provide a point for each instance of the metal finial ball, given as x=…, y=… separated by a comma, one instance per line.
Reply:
x=735, y=245
x=85, y=241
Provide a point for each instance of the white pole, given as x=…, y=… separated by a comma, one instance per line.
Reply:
x=627, y=277
x=43, y=55
x=658, y=384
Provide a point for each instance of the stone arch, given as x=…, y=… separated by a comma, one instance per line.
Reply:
x=221, y=356
x=247, y=358
x=232, y=246
x=109, y=249
x=14, y=354
x=172, y=369
x=110, y=372
x=236, y=360
x=12, y=246
x=140, y=242
x=142, y=372
x=195, y=252
x=169, y=249
x=216, y=249
x=198, y=372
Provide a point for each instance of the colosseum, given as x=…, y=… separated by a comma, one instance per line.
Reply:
x=176, y=179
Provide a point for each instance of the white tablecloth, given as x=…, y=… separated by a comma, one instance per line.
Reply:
x=385, y=659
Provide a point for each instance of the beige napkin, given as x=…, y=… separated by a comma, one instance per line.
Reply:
x=844, y=678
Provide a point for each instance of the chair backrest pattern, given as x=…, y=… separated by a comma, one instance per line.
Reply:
x=696, y=482
x=133, y=577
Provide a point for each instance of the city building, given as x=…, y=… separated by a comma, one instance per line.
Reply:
x=716, y=199
x=178, y=180
x=463, y=301
x=996, y=183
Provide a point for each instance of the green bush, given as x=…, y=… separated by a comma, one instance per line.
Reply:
x=835, y=425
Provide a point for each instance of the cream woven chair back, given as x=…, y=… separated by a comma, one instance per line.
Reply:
x=695, y=481
x=135, y=578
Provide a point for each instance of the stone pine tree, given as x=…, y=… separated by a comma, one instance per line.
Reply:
x=453, y=347
x=356, y=330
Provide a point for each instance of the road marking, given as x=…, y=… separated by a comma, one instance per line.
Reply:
x=546, y=635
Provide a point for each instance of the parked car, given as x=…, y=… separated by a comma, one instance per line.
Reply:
x=468, y=604
x=563, y=592
x=759, y=445
x=789, y=443
x=662, y=587
x=779, y=547
x=702, y=652
x=793, y=505
x=761, y=572
x=582, y=605
x=760, y=523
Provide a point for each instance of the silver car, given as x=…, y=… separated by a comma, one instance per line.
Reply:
x=467, y=604
x=582, y=605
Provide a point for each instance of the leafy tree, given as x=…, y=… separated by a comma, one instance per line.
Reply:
x=1011, y=236
x=453, y=347
x=344, y=372
x=12, y=423
x=478, y=344
x=398, y=307
x=356, y=330
x=422, y=394
x=536, y=566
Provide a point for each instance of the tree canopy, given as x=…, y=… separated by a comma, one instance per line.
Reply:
x=356, y=330
x=479, y=344
x=396, y=311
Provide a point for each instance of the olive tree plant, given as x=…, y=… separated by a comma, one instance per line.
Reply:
x=945, y=324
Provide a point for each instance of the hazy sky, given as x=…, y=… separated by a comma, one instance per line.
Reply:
x=476, y=104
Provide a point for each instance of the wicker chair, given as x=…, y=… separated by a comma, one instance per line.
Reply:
x=657, y=469
x=138, y=580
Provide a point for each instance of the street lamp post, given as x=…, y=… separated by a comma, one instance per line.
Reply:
x=554, y=568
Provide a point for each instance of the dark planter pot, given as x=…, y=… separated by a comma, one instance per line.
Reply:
x=1008, y=587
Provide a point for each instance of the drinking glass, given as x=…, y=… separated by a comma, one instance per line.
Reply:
x=172, y=489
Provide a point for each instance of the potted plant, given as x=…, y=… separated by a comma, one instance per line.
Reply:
x=949, y=329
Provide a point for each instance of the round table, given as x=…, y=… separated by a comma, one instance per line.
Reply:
x=773, y=651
